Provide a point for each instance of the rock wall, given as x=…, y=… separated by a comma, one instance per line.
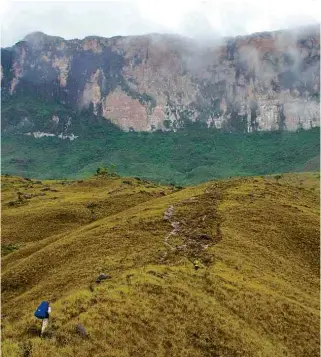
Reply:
x=266, y=81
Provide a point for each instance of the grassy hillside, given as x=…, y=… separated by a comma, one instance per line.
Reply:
x=256, y=294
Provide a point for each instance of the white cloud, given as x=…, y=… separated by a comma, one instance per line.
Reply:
x=197, y=18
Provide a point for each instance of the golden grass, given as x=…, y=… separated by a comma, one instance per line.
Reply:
x=257, y=293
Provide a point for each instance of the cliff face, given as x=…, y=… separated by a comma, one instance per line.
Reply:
x=266, y=81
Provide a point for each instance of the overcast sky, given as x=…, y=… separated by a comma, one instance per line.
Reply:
x=195, y=18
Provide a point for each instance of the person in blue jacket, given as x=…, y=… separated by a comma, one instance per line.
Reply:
x=43, y=311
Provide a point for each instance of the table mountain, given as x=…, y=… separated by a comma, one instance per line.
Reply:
x=261, y=82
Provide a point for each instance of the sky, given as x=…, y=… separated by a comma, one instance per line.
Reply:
x=193, y=18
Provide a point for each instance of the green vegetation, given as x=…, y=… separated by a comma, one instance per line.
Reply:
x=38, y=112
x=188, y=156
x=102, y=171
x=8, y=248
x=256, y=293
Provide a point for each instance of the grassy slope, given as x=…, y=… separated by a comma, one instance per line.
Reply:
x=257, y=294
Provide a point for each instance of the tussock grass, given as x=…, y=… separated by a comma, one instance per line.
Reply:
x=256, y=294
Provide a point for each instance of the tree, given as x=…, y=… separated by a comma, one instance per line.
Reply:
x=102, y=171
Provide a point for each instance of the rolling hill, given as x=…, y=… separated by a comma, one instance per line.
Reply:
x=256, y=293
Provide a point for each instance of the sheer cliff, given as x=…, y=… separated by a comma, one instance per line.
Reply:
x=262, y=82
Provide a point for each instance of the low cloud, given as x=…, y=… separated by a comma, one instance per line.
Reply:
x=202, y=20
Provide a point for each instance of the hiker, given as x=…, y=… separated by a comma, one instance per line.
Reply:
x=196, y=264
x=42, y=313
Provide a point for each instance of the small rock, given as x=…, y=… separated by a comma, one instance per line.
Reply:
x=181, y=247
x=81, y=331
x=45, y=189
x=102, y=277
x=169, y=213
x=27, y=196
x=204, y=236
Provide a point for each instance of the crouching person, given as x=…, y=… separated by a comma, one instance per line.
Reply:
x=42, y=313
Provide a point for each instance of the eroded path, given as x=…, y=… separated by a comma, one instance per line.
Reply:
x=196, y=222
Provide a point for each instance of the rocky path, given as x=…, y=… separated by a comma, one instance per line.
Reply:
x=195, y=242
x=168, y=215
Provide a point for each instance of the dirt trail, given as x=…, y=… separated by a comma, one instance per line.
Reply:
x=195, y=235
x=175, y=225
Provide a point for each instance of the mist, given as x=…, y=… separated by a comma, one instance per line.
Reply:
x=205, y=21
